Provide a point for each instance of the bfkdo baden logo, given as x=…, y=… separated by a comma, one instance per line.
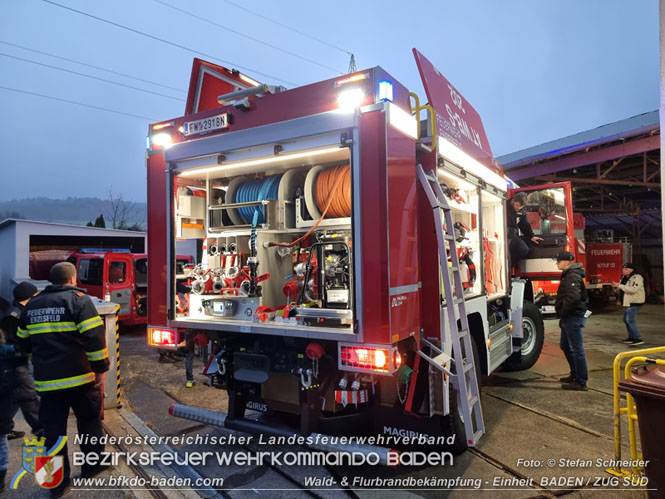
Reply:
x=47, y=467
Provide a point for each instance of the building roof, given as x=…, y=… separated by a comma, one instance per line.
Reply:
x=64, y=227
x=630, y=127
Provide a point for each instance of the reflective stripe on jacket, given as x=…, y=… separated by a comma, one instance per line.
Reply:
x=66, y=337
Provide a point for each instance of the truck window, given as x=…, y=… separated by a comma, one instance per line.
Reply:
x=546, y=210
x=141, y=272
x=91, y=271
x=117, y=272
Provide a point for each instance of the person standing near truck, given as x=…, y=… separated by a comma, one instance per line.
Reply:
x=572, y=308
x=23, y=395
x=519, y=230
x=66, y=336
x=632, y=299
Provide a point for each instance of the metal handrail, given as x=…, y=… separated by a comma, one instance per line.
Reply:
x=634, y=356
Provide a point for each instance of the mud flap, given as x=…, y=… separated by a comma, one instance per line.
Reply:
x=397, y=423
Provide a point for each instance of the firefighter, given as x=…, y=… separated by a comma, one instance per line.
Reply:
x=66, y=336
x=23, y=395
x=518, y=222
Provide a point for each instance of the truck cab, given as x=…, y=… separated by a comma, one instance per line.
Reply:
x=119, y=276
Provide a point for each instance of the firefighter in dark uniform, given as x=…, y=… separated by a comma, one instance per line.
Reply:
x=66, y=336
x=23, y=395
x=520, y=233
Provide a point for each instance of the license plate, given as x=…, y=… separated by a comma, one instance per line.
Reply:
x=206, y=125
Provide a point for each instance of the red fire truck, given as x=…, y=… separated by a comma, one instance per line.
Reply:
x=120, y=277
x=355, y=274
x=548, y=212
x=604, y=261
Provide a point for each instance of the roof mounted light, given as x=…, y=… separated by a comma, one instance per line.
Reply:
x=161, y=126
x=351, y=79
x=350, y=99
x=385, y=90
x=162, y=139
x=249, y=80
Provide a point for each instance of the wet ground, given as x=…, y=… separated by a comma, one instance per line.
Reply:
x=529, y=420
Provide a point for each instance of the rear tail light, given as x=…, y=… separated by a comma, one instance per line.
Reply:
x=398, y=359
x=365, y=359
x=161, y=337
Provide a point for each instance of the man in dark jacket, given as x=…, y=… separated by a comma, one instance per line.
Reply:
x=23, y=395
x=571, y=307
x=70, y=357
x=519, y=230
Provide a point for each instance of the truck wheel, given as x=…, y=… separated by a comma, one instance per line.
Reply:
x=453, y=423
x=532, y=342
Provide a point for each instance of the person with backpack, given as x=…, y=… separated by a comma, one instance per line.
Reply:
x=632, y=296
x=572, y=308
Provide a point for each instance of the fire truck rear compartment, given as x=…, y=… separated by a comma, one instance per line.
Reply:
x=265, y=267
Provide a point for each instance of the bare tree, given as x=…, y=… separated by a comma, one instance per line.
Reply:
x=120, y=212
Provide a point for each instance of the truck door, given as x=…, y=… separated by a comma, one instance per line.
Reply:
x=90, y=274
x=118, y=275
x=550, y=211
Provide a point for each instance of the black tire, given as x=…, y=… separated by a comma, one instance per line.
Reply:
x=532, y=342
x=453, y=423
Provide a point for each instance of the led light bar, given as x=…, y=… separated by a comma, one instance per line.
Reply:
x=472, y=165
x=260, y=161
x=402, y=121
x=160, y=126
x=249, y=80
x=351, y=79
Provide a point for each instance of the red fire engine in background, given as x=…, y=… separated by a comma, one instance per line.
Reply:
x=355, y=275
x=549, y=208
x=118, y=276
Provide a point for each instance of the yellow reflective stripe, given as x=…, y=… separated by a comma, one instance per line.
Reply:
x=51, y=327
x=59, y=384
x=98, y=355
x=88, y=324
x=22, y=333
x=42, y=325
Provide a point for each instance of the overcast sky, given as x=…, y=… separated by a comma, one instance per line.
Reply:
x=534, y=70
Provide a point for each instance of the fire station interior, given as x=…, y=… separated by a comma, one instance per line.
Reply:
x=277, y=242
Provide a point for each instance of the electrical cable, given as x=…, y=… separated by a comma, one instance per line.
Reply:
x=246, y=36
x=340, y=198
x=338, y=182
x=168, y=42
x=152, y=120
x=288, y=27
x=92, y=66
x=91, y=77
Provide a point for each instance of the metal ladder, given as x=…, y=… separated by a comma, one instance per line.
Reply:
x=464, y=378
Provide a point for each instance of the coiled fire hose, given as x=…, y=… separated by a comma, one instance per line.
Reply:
x=333, y=187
